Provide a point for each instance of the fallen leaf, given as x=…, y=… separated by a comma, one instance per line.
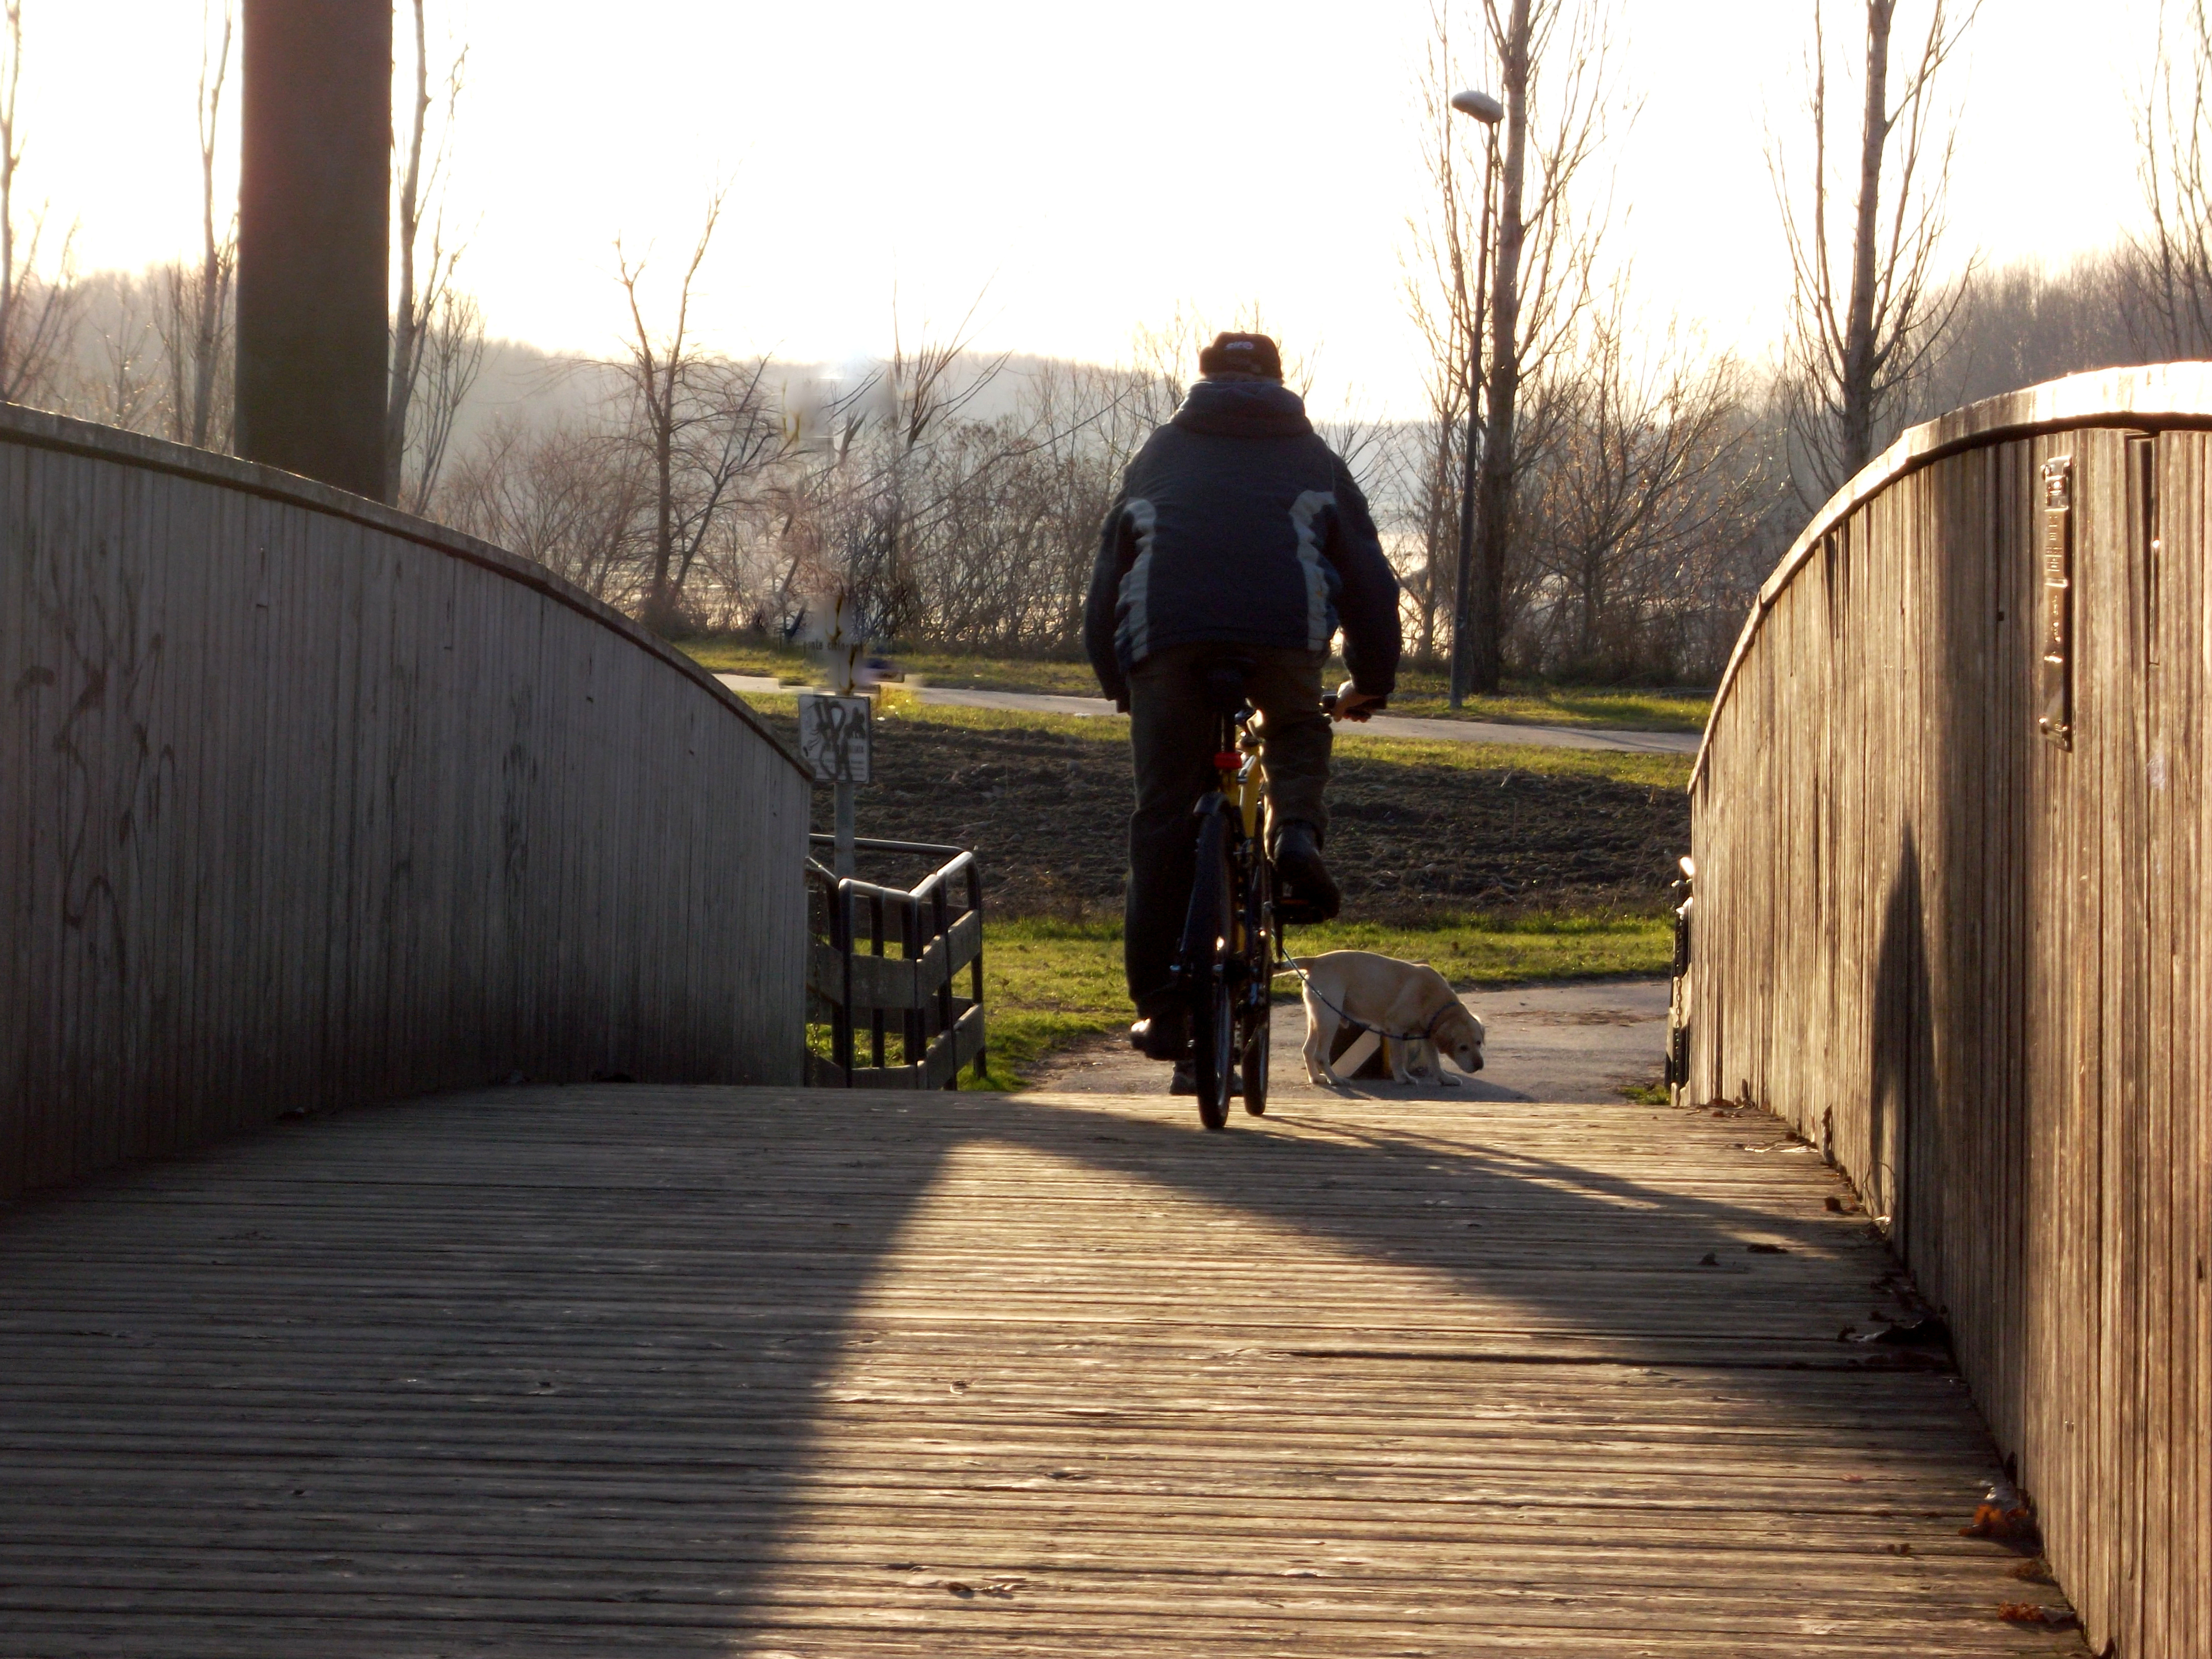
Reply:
x=1709, y=1259
x=2030, y=1612
x=2006, y=1526
x=1766, y=1249
x=2037, y=1572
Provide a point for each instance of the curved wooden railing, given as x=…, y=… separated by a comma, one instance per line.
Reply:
x=862, y=998
x=305, y=802
x=1950, y=821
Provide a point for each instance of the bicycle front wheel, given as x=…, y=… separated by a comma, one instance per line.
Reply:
x=1214, y=987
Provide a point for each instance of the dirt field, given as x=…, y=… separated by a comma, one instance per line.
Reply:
x=1045, y=810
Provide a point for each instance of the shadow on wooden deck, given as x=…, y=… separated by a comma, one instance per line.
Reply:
x=749, y=1372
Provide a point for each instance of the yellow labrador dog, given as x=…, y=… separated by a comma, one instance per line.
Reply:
x=1417, y=1012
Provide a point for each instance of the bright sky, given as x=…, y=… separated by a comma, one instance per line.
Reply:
x=1094, y=166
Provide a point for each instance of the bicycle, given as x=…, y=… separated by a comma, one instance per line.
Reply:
x=1226, y=963
x=1226, y=960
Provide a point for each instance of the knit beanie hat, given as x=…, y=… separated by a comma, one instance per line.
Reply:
x=1251, y=354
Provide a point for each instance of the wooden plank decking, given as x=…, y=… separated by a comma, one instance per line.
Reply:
x=755, y=1373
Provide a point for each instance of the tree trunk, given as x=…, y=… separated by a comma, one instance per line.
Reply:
x=1857, y=401
x=1494, y=501
x=407, y=318
x=660, y=602
x=9, y=388
x=214, y=258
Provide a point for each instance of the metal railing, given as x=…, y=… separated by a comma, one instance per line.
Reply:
x=858, y=991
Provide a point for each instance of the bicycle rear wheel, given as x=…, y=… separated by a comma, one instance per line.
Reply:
x=1211, y=983
x=1257, y=1002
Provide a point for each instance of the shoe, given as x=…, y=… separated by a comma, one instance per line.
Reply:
x=1163, y=1036
x=1185, y=1080
x=1304, y=891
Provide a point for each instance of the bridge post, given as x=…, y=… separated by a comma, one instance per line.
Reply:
x=314, y=239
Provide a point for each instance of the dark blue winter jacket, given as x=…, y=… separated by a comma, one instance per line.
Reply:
x=1238, y=524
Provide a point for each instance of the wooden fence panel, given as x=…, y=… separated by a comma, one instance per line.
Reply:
x=1970, y=963
x=305, y=803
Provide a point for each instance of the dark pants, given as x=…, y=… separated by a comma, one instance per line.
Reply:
x=1172, y=731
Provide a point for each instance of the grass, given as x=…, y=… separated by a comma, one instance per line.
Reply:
x=1064, y=679
x=1421, y=691
x=1048, y=984
x=737, y=653
x=1655, y=771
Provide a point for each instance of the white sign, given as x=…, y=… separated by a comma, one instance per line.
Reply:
x=833, y=736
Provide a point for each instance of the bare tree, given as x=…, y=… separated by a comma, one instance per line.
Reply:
x=875, y=474
x=927, y=388
x=702, y=421
x=35, y=311
x=2026, y=322
x=115, y=372
x=1641, y=486
x=1439, y=281
x=660, y=370
x=2168, y=266
x=449, y=359
x=1634, y=557
x=1553, y=58
x=426, y=315
x=1551, y=61
x=571, y=495
x=196, y=319
x=1858, y=347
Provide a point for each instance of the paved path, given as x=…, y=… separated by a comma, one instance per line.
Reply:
x=719, y=1372
x=1575, y=1043
x=1381, y=725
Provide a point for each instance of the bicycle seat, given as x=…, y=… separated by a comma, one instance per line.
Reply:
x=1225, y=684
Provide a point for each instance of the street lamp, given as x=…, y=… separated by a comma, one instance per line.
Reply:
x=1488, y=110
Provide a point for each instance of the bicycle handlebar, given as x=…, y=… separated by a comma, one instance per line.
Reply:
x=1328, y=707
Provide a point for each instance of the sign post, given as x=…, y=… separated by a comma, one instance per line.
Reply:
x=833, y=741
x=833, y=724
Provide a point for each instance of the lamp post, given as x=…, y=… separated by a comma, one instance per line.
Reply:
x=1488, y=110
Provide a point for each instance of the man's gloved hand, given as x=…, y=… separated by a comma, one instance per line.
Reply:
x=1352, y=704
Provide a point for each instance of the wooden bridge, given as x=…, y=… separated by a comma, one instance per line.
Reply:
x=306, y=806
x=735, y=1371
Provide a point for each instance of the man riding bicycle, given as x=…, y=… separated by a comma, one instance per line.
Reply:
x=1238, y=535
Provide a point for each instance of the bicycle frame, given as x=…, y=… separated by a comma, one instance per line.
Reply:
x=1226, y=960
x=1243, y=782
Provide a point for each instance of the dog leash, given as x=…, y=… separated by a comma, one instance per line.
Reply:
x=1426, y=1033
